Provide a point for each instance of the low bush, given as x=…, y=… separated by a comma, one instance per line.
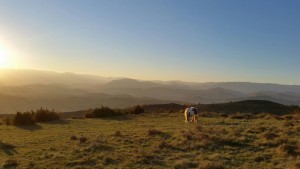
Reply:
x=44, y=115
x=30, y=118
x=102, y=112
x=138, y=110
x=26, y=118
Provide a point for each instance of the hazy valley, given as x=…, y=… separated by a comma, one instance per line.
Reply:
x=22, y=90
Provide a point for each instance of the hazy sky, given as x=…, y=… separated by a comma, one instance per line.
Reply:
x=201, y=40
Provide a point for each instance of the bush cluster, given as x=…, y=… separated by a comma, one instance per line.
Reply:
x=135, y=110
x=30, y=118
x=138, y=110
x=26, y=118
x=44, y=115
x=102, y=112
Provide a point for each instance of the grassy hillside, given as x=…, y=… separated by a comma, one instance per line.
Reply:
x=248, y=106
x=154, y=140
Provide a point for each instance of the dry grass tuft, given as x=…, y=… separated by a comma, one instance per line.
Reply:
x=73, y=137
x=296, y=166
x=188, y=135
x=237, y=116
x=211, y=165
x=287, y=150
x=100, y=144
x=10, y=163
x=153, y=132
x=108, y=160
x=82, y=139
x=288, y=117
x=184, y=163
x=224, y=115
x=165, y=145
x=117, y=134
x=288, y=124
x=269, y=135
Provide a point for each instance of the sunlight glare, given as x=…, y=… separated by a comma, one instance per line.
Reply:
x=5, y=61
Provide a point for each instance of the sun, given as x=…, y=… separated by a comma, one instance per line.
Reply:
x=5, y=61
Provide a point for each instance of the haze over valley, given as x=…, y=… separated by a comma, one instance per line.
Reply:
x=22, y=90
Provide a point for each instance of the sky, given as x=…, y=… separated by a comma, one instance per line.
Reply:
x=192, y=40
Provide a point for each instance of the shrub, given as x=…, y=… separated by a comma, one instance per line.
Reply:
x=138, y=110
x=26, y=118
x=30, y=118
x=101, y=112
x=44, y=115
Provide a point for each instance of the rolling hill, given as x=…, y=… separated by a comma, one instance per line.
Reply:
x=22, y=90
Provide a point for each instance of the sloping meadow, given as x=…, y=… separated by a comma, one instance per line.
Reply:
x=155, y=140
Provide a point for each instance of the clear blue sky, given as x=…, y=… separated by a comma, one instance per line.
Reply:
x=200, y=40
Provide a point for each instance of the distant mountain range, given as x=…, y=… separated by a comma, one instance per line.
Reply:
x=22, y=90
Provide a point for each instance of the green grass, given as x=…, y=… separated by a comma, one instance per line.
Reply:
x=153, y=140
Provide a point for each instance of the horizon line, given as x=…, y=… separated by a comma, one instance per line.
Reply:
x=149, y=80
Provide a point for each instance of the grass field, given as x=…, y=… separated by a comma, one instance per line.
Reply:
x=154, y=140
